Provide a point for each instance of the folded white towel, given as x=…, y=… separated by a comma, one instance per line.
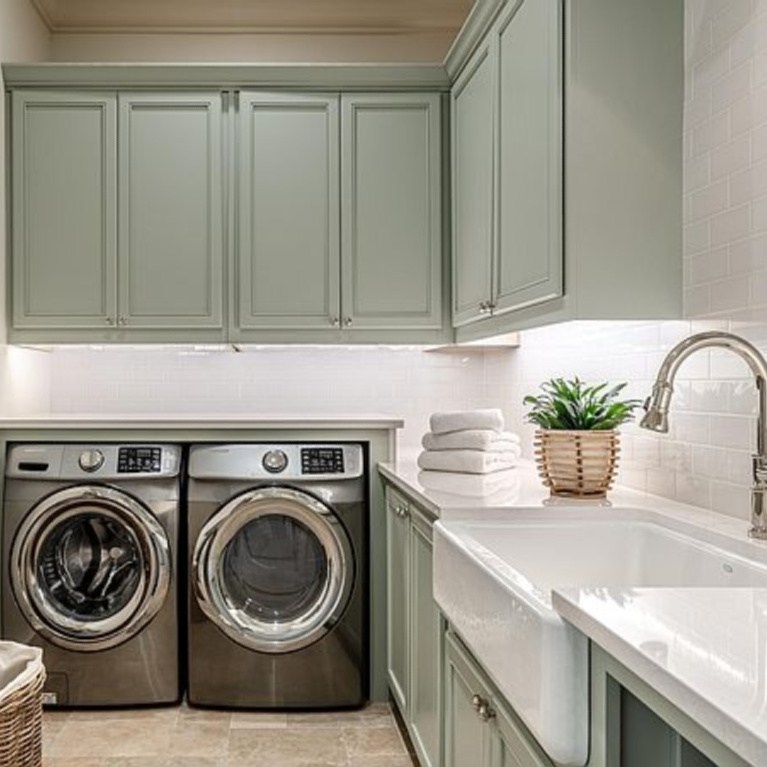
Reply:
x=504, y=483
x=466, y=461
x=467, y=419
x=472, y=439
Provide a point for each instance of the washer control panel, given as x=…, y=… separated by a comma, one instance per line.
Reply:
x=139, y=460
x=97, y=461
x=322, y=460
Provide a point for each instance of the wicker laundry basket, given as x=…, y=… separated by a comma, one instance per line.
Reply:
x=22, y=676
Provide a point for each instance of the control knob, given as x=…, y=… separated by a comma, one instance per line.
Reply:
x=275, y=461
x=91, y=460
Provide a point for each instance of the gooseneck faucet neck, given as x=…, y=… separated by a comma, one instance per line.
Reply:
x=657, y=406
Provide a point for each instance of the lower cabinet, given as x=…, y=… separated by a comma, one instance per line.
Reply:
x=414, y=658
x=480, y=728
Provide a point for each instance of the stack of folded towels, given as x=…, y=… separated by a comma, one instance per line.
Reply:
x=469, y=442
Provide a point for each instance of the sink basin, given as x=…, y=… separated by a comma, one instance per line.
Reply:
x=493, y=580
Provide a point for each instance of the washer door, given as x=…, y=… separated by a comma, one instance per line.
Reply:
x=273, y=569
x=90, y=567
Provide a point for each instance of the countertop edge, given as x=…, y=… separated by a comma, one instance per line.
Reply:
x=728, y=730
x=390, y=472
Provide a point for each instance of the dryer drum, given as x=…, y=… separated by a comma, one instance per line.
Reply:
x=90, y=567
x=273, y=569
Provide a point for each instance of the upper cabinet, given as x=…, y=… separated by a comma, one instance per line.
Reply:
x=64, y=242
x=170, y=208
x=567, y=163
x=288, y=259
x=249, y=216
x=391, y=162
x=117, y=217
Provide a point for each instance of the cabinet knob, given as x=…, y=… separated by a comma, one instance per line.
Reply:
x=335, y=321
x=484, y=307
x=476, y=702
x=347, y=322
x=122, y=321
x=110, y=321
x=485, y=713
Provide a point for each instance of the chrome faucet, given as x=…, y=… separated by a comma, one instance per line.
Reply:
x=657, y=405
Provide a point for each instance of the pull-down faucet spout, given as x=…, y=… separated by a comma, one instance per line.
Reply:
x=657, y=406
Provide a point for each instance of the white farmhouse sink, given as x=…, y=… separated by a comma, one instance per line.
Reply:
x=493, y=581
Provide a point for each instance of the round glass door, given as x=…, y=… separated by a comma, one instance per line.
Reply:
x=273, y=569
x=90, y=567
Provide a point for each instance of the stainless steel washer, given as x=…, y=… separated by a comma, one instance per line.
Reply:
x=90, y=548
x=278, y=576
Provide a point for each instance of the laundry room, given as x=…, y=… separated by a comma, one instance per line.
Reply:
x=383, y=383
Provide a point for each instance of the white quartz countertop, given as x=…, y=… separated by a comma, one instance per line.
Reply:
x=210, y=421
x=703, y=649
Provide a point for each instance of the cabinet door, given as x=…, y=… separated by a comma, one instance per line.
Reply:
x=391, y=210
x=170, y=208
x=472, y=143
x=398, y=599
x=289, y=252
x=467, y=737
x=425, y=654
x=512, y=745
x=529, y=166
x=64, y=199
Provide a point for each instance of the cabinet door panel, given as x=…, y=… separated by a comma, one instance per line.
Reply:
x=64, y=197
x=512, y=745
x=472, y=106
x=398, y=599
x=171, y=239
x=391, y=202
x=529, y=181
x=467, y=737
x=289, y=249
x=425, y=660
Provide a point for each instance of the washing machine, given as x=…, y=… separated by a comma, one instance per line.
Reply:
x=278, y=576
x=90, y=547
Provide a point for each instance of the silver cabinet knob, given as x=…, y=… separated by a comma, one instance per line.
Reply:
x=335, y=321
x=347, y=322
x=485, y=713
x=275, y=461
x=483, y=308
x=91, y=460
x=122, y=321
x=476, y=702
x=110, y=321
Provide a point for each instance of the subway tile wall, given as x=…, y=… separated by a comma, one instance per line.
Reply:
x=408, y=382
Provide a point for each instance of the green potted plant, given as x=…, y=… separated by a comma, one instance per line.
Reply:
x=577, y=443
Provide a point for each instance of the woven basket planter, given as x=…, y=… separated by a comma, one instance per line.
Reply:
x=577, y=464
x=21, y=725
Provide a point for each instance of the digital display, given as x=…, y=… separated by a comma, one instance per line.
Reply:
x=139, y=460
x=322, y=460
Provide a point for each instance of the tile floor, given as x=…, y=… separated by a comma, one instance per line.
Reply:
x=187, y=737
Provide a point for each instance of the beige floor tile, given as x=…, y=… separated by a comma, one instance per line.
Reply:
x=248, y=720
x=206, y=739
x=373, y=741
x=187, y=712
x=381, y=761
x=166, y=714
x=290, y=747
x=115, y=738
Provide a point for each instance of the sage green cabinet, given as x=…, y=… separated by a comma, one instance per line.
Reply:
x=63, y=194
x=391, y=188
x=473, y=107
x=480, y=728
x=415, y=626
x=567, y=158
x=117, y=216
x=170, y=250
x=289, y=211
x=398, y=599
x=507, y=160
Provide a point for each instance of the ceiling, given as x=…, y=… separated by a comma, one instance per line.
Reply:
x=256, y=16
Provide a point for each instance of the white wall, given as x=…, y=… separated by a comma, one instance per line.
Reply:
x=252, y=48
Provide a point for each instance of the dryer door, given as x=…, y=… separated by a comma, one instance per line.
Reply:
x=90, y=567
x=273, y=569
